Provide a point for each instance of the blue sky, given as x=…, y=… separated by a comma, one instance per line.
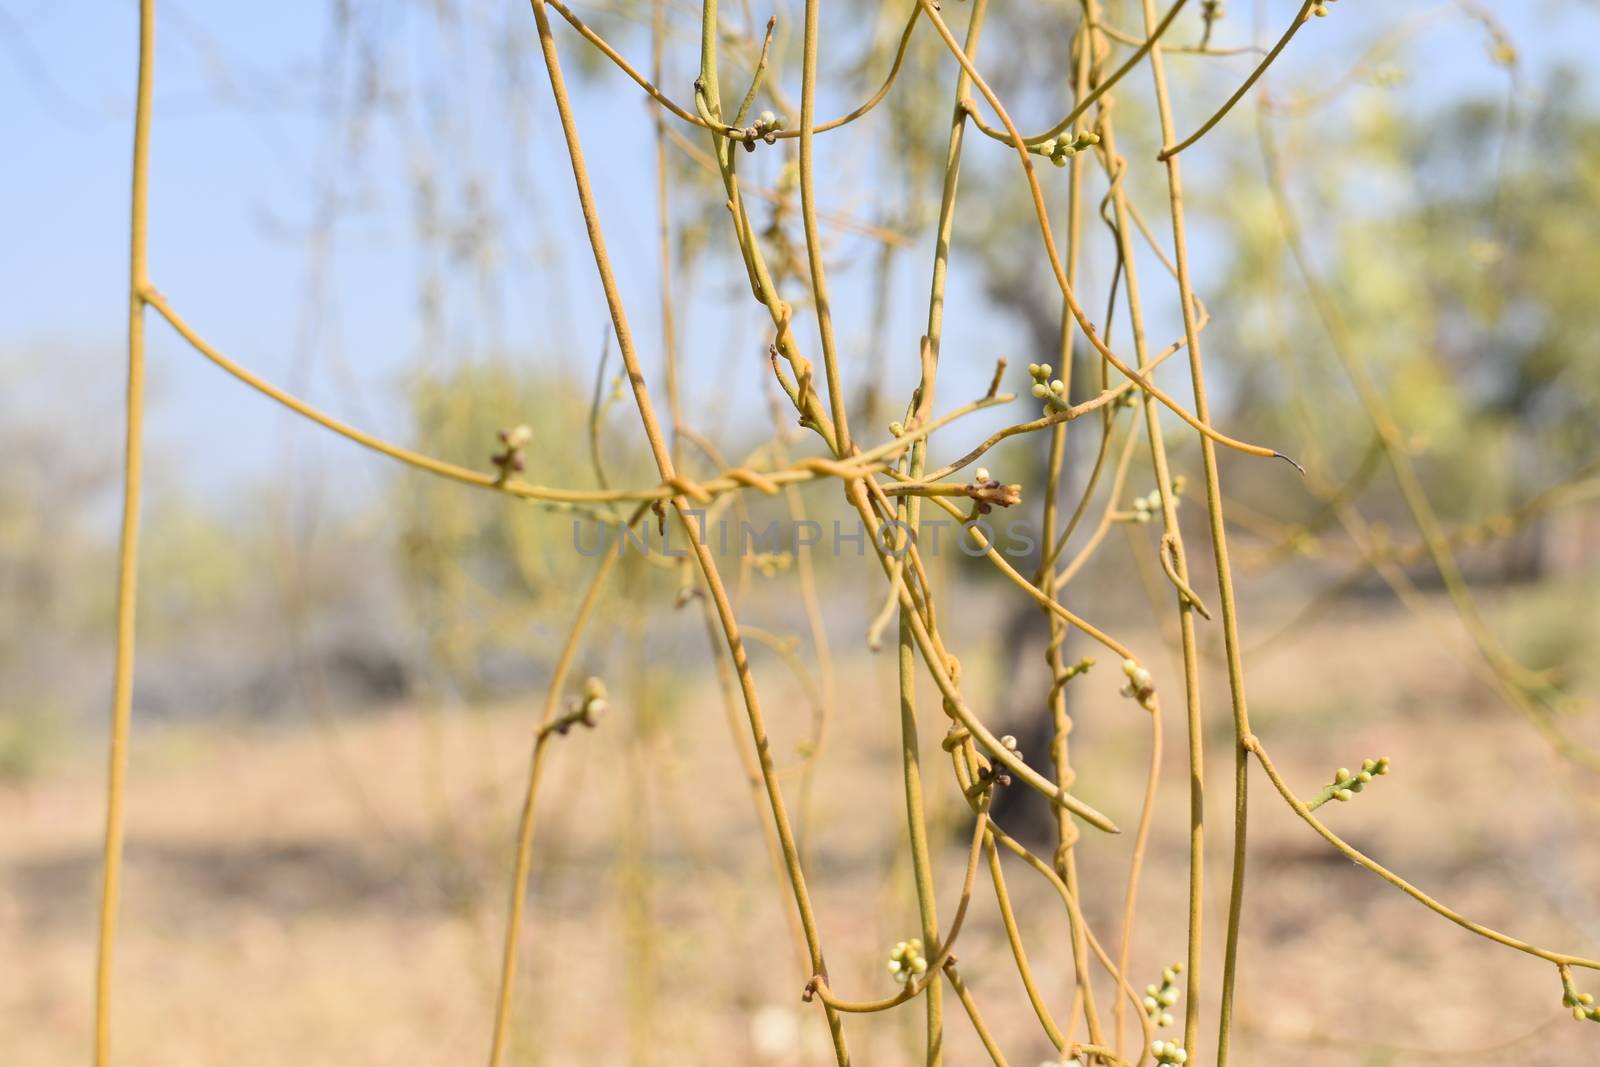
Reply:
x=242, y=151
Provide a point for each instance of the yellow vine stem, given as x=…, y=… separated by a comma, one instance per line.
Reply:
x=734, y=133
x=964, y=759
x=805, y=566
x=1066, y=863
x=668, y=472
x=1219, y=548
x=1056, y=267
x=965, y=996
x=1253, y=744
x=1069, y=898
x=1097, y=402
x=937, y=664
x=698, y=156
x=1183, y=607
x=921, y=862
x=1109, y=513
x=1042, y=598
x=128, y=545
x=542, y=736
x=1089, y=99
x=1300, y=19
x=728, y=692
x=1177, y=566
x=804, y=470
x=808, y=222
x=669, y=337
x=946, y=948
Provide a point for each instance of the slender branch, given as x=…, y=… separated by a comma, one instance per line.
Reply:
x=128, y=543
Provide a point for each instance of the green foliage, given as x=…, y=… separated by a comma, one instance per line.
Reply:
x=1462, y=254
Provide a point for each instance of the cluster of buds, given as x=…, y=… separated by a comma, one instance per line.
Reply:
x=988, y=492
x=1147, y=507
x=1053, y=391
x=1346, y=785
x=584, y=710
x=1169, y=1052
x=1157, y=999
x=1320, y=8
x=1064, y=147
x=906, y=962
x=509, y=459
x=1140, y=687
x=1582, y=1004
x=766, y=129
x=993, y=774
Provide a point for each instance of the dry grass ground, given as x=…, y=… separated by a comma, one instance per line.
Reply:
x=331, y=894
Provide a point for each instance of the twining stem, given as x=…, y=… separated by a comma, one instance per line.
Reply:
x=128, y=544
x=651, y=85
x=680, y=503
x=1066, y=863
x=808, y=220
x=543, y=735
x=669, y=338
x=1300, y=19
x=922, y=867
x=965, y=996
x=1219, y=546
x=1082, y=102
x=1184, y=607
x=1042, y=214
x=1254, y=746
x=803, y=470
